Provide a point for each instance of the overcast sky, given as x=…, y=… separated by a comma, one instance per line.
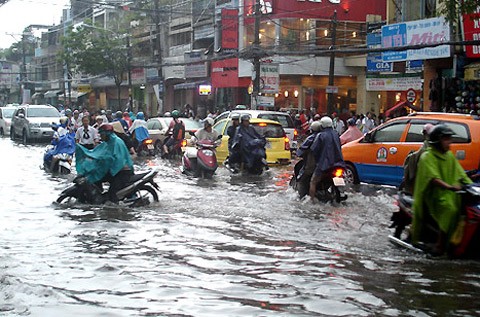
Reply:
x=15, y=15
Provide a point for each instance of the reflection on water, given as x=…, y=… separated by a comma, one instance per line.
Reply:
x=230, y=246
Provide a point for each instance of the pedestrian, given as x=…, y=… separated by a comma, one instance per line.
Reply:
x=368, y=123
x=87, y=135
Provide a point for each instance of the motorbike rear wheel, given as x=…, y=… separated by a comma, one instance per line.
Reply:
x=143, y=196
x=67, y=200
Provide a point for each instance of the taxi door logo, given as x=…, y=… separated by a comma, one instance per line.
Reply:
x=382, y=154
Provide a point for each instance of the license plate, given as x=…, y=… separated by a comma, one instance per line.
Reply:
x=150, y=146
x=338, y=181
x=268, y=145
x=294, y=144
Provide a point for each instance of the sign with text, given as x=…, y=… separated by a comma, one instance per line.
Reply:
x=375, y=64
x=394, y=84
x=195, y=66
x=422, y=32
x=229, y=30
x=471, y=31
x=269, y=78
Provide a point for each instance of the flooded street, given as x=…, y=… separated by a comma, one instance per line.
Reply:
x=231, y=246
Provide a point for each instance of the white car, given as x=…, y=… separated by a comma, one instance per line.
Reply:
x=6, y=114
x=283, y=118
x=34, y=122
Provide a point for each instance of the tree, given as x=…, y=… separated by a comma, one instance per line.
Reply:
x=452, y=8
x=95, y=51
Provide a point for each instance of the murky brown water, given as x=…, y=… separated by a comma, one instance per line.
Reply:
x=231, y=246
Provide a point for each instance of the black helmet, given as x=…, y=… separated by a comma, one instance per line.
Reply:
x=438, y=132
x=245, y=117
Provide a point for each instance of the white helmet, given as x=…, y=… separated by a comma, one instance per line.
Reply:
x=326, y=122
x=315, y=126
x=63, y=120
x=209, y=121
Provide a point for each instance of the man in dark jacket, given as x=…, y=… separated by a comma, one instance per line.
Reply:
x=327, y=151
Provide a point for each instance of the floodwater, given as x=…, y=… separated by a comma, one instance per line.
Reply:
x=231, y=246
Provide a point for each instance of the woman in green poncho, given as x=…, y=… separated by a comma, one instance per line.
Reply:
x=108, y=162
x=439, y=175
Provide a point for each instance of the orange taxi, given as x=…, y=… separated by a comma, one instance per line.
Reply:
x=378, y=157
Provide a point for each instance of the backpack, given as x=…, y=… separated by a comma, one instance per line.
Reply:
x=179, y=130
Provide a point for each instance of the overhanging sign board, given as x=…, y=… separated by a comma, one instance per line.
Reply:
x=375, y=64
x=269, y=78
x=394, y=84
x=429, y=31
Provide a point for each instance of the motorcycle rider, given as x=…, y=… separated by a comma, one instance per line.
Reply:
x=439, y=175
x=231, y=131
x=305, y=174
x=87, y=135
x=177, y=130
x=248, y=143
x=139, y=130
x=119, y=118
x=352, y=133
x=207, y=132
x=109, y=162
x=411, y=162
x=63, y=143
x=327, y=152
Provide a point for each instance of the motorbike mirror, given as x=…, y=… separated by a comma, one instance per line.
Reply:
x=219, y=137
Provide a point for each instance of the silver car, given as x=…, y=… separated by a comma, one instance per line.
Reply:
x=34, y=122
x=6, y=114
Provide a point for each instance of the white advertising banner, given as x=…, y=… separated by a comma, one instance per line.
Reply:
x=269, y=78
x=394, y=84
x=421, y=32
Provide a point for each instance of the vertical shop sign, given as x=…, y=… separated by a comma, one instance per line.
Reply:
x=471, y=32
x=229, y=31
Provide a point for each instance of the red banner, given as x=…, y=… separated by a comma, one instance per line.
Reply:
x=347, y=10
x=471, y=31
x=225, y=74
x=229, y=29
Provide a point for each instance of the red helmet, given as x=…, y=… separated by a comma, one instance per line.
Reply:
x=106, y=127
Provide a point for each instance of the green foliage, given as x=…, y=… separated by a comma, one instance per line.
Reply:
x=452, y=8
x=95, y=51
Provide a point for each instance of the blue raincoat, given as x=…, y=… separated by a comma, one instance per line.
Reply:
x=108, y=157
x=327, y=151
x=64, y=144
x=249, y=145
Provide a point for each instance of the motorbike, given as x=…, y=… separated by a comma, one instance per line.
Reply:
x=328, y=188
x=201, y=160
x=146, y=147
x=467, y=240
x=174, y=150
x=60, y=152
x=63, y=162
x=253, y=160
x=140, y=190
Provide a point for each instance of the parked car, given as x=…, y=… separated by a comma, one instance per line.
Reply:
x=283, y=118
x=277, y=148
x=6, y=114
x=33, y=122
x=157, y=127
x=378, y=157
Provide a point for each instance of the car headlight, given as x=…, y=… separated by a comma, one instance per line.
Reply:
x=34, y=125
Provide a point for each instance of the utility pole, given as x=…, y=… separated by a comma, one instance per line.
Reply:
x=129, y=69
x=158, y=46
x=331, y=73
x=256, y=56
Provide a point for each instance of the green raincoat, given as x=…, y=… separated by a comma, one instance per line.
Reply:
x=442, y=204
x=108, y=157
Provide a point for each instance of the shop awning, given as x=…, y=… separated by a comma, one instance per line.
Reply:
x=400, y=105
x=37, y=95
x=192, y=85
x=472, y=71
x=74, y=94
x=52, y=93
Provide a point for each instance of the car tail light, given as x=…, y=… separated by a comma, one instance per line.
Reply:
x=184, y=143
x=148, y=141
x=262, y=124
x=338, y=172
x=287, y=143
x=295, y=134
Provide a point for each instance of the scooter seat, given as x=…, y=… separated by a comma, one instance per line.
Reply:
x=138, y=176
